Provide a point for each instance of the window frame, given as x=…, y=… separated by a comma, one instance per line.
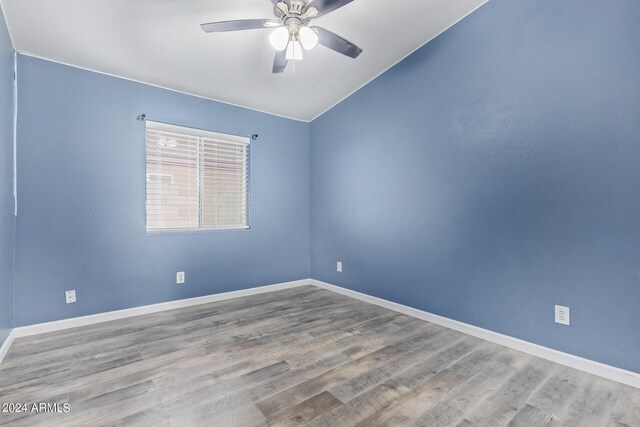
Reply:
x=200, y=133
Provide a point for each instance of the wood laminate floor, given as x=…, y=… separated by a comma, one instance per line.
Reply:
x=302, y=356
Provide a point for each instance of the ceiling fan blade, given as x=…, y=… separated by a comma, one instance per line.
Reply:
x=243, y=24
x=337, y=43
x=327, y=6
x=280, y=62
x=272, y=24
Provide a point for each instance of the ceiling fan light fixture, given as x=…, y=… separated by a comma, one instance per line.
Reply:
x=294, y=51
x=291, y=31
x=308, y=38
x=279, y=38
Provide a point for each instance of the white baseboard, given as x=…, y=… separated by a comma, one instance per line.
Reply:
x=576, y=362
x=41, y=328
x=4, y=349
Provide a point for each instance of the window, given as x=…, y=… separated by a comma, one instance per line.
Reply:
x=195, y=179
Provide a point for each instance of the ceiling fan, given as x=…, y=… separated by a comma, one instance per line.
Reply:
x=292, y=32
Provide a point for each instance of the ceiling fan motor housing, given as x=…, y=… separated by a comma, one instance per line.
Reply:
x=297, y=6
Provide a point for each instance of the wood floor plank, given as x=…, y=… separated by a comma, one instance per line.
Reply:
x=207, y=415
x=302, y=356
x=452, y=408
x=502, y=405
x=232, y=396
x=421, y=372
x=530, y=416
x=626, y=410
x=305, y=411
x=310, y=388
x=410, y=352
x=592, y=405
x=363, y=406
x=146, y=418
x=557, y=391
x=431, y=391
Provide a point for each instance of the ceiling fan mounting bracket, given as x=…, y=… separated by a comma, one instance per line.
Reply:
x=295, y=9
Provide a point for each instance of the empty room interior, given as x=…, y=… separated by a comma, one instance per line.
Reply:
x=320, y=212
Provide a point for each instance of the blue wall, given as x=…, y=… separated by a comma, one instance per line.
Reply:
x=6, y=181
x=487, y=177
x=494, y=173
x=81, y=178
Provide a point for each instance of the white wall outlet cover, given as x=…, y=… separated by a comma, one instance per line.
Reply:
x=563, y=315
x=70, y=296
x=180, y=277
x=339, y=266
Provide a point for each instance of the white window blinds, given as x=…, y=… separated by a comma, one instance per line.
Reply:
x=195, y=179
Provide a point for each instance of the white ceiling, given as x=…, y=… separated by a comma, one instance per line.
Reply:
x=160, y=42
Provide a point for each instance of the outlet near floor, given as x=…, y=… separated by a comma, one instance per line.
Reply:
x=563, y=315
x=339, y=266
x=70, y=296
x=180, y=277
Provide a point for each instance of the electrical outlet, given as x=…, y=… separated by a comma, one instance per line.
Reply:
x=339, y=266
x=180, y=277
x=70, y=296
x=563, y=315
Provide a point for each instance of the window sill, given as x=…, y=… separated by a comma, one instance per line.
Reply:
x=194, y=230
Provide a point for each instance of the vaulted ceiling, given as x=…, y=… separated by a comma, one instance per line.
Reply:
x=160, y=42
